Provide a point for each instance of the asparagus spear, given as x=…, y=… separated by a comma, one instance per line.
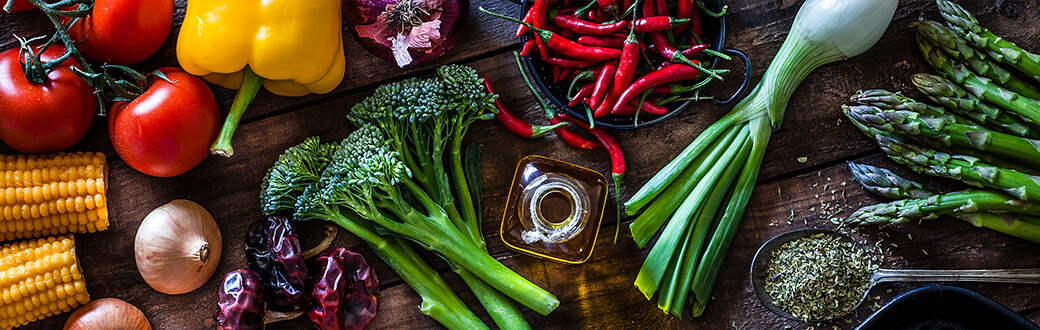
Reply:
x=967, y=201
x=960, y=167
x=950, y=43
x=894, y=101
x=956, y=99
x=999, y=49
x=982, y=87
x=944, y=132
x=883, y=182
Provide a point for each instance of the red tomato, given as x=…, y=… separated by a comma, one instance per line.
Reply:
x=167, y=130
x=123, y=31
x=43, y=117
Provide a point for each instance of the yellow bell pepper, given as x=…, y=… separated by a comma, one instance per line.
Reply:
x=292, y=48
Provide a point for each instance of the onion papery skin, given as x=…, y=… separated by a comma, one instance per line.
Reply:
x=454, y=17
x=167, y=249
x=107, y=314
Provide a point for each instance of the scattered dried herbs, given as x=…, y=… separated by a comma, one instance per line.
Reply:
x=818, y=277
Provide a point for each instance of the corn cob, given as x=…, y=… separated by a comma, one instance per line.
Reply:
x=52, y=194
x=39, y=278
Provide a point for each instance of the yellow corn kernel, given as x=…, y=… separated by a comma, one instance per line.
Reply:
x=52, y=194
x=39, y=278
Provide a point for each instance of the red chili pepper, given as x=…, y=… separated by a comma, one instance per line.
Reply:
x=566, y=73
x=695, y=25
x=528, y=46
x=648, y=8
x=601, y=15
x=555, y=74
x=610, y=41
x=647, y=107
x=617, y=158
x=606, y=77
x=667, y=75
x=606, y=3
x=572, y=138
x=512, y=122
x=563, y=46
x=527, y=19
x=583, y=93
x=674, y=55
x=570, y=63
x=684, y=9
x=657, y=23
x=626, y=67
x=538, y=9
x=580, y=26
x=662, y=7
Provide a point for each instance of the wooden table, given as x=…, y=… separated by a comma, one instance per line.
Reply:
x=598, y=294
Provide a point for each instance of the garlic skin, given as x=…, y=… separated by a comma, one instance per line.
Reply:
x=177, y=247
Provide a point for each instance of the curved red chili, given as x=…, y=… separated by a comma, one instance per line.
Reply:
x=572, y=138
x=657, y=23
x=527, y=19
x=667, y=75
x=683, y=9
x=538, y=9
x=646, y=106
x=512, y=122
x=611, y=41
x=626, y=66
x=570, y=63
x=603, y=82
x=562, y=45
x=528, y=47
x=617, y=159
x=584, y=92
x=580, y=26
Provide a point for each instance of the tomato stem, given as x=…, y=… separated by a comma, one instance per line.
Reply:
x=250, y=86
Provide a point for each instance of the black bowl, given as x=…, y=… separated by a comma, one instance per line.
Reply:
x=714, y=32
x=944, y=307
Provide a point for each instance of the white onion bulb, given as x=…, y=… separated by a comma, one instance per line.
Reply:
x=177, y=247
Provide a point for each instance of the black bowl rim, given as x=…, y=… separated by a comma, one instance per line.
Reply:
x=529, y=71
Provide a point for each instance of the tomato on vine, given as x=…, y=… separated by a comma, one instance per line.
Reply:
x=168, y=129
x=48, y=116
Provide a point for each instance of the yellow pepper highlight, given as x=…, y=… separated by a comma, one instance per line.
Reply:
x=293, y=47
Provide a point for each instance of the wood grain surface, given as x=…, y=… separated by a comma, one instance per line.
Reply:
x=599, y=293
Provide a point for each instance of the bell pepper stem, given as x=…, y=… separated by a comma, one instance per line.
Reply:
x=250, y=86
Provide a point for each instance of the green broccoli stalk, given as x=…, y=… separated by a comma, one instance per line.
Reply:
x=293, y=181
x=427, y=119
x=368, y=178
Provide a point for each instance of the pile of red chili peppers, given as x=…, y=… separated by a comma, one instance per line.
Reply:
x=619, y=59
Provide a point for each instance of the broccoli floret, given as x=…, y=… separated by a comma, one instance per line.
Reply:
x=295, y=169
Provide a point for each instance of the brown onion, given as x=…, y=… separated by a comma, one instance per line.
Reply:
x=177, y=247
x=107, y=314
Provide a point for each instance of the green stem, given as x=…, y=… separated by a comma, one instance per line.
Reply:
x=1018, y=225
x=651, y=220
x=438, y=300
x=736, y=202
x=250, y=86
x=499, y=306
x=649, y=277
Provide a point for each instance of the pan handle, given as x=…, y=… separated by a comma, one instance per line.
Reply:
x=744, y=83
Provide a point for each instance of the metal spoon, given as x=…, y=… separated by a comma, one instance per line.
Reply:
x=761, y=262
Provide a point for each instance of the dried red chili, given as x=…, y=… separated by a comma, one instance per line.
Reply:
x=273, y=251
x=345, y=291
x=240, y=299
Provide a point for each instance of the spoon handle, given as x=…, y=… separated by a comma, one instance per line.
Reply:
x=1029, y=276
